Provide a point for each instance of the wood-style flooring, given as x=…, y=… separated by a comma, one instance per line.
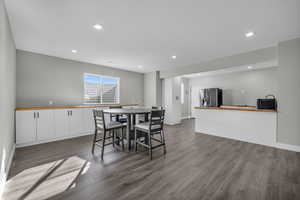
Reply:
x=196, y=166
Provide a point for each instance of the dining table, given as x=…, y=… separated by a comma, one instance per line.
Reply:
x=131, y=113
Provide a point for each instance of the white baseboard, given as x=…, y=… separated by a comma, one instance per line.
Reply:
x=2, y=183
x=3, y=176
x=53, y=139
x=288, y=147
x=10, y=159
x=277, y=145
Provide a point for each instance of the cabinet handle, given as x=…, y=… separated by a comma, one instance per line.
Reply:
x=71, y=112
x=38, y=115
x=34, y=115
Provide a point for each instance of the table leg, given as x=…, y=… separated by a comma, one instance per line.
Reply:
x=133, y=120
x=146, y=117
x=128, y=131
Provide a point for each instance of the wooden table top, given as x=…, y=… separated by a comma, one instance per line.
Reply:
x=138, y=110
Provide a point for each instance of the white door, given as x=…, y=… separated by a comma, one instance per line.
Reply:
x=88, y=120
x=45, y=125
x=195, y=99
x=61, y=123
x=75, y=122
x=25, y=127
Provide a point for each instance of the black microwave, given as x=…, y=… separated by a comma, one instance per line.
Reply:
x=267, y=103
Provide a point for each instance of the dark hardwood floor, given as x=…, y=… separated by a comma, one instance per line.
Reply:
x=196, y=166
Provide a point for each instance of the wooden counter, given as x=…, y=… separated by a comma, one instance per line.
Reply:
x=239, y=108
x=71, y=106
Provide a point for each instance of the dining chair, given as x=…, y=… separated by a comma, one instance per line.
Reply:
x=157, y=108
x=145, y=117
x=118, y=118
x=148, y=130
x=106, y=131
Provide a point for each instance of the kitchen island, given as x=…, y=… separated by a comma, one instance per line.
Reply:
x=244, y=123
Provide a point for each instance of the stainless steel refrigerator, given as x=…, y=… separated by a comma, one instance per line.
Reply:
x=211, y=97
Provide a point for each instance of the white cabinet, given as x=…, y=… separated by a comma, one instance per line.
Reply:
x=38, y=126
x=25, y=126
x=75, y=121
x=61, y=122
x=34, y=125
x=45, y=125
x=68, y=122
x=88, y=120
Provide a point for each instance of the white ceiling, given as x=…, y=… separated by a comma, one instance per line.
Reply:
x=148, y=33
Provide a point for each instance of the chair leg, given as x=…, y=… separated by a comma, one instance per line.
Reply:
x=150, y=145
x=103, y=144
x=113, y=138
x=135, y=140
x=122, y=138
x=164, y=142
x=118, y=137
x=94, y=141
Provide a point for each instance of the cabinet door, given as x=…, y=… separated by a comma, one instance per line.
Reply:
x=88, y=120
x=76, y=122
x=25, y=127
x=45, y=125
x=61, y=123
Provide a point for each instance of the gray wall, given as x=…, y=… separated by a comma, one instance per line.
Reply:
x=241, y=88
x=42, y=78
x=152, y=89
x=289, y=92
x=7, y=91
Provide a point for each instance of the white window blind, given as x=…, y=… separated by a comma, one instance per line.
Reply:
x=101, y=89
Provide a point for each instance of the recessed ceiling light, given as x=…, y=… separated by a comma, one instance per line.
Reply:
x=249, y=34
x=74, y=51
x=109, y=61
x=250, y=67
x=140, y=66
x=97, y=26
x=174, y=57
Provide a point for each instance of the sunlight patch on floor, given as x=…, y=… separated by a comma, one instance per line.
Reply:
x=44, y=181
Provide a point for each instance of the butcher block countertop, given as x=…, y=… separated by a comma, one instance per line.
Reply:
x=239, y=108
x=71, y=106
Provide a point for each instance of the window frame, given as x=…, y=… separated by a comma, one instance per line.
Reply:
x=102, y=76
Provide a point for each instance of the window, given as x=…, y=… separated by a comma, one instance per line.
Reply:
x=182, y=93
x=101, y=89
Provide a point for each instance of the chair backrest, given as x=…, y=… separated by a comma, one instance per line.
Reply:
x=156, y=120
x=157, y=108
x=114, y=115
x=112, y=107
x=99, y=119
